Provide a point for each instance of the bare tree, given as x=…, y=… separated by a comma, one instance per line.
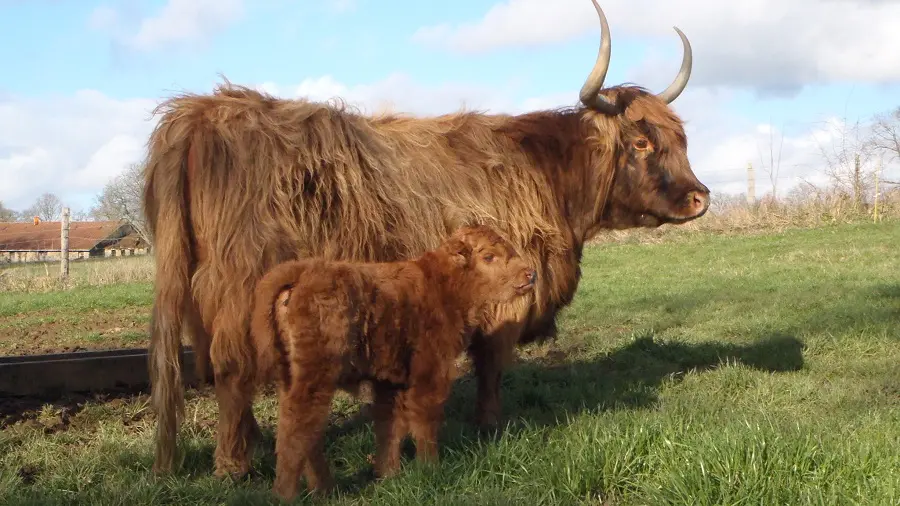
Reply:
x=886, y=137
x=121, y=199
x=886, y=134
x=7, y=214
x=722, y=202
x=774, y=165
x=848, y=162
x=47, y=207
x=80, y=215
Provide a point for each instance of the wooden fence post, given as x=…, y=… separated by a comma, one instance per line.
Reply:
x=877, y=174
x=64, y=245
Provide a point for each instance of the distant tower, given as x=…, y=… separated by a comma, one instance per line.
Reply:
x=751, y=184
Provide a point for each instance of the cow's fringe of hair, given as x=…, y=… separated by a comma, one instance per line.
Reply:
x=261, y=180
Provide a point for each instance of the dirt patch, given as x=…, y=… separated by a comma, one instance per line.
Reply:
x=56, y=415
x=549, y=353
x=61, y=332
x=28, y=473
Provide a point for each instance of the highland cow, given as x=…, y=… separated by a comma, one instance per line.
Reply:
x=318, y=326
x=238, y=181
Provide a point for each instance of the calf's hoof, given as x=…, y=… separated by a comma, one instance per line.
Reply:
x=284, y=491
x=288, y=492
x=232, y=470
x=385, y=471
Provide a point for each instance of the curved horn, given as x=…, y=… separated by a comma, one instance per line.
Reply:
x=681, y=80
x=589, y=95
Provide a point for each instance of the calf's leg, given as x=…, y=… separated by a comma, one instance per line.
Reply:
x=303, y=409
x=424, y=408
x=490, y=352
x=390, y=429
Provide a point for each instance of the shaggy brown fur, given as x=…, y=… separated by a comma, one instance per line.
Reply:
x=238, y=181
x=318, y=326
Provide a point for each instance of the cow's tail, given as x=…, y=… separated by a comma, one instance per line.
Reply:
x=168, y=222
x=274, y=288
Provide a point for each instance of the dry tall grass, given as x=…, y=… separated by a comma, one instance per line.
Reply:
x=807, y=207
x=44, y=277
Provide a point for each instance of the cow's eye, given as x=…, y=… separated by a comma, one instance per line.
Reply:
x=489, y=258
x=641, y=144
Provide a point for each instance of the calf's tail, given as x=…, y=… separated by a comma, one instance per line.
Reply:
x=274, y=288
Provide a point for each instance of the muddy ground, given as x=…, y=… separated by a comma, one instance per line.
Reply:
x=60, y=331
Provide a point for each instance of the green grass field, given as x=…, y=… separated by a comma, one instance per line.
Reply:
x=719, y=370
x=104, y=304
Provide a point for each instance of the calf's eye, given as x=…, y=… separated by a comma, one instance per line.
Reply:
x=641, y=144
x=489, y=258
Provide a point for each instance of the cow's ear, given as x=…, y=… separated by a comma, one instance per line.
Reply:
x=634, y=114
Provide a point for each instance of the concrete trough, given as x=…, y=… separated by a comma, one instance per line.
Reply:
x=82, y=371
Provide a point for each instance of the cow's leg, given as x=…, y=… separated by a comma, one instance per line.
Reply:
x=490, y=353
x=201, y=340
x=231, y=355
x=303, y=409
x=237, y=428
x=390, y=429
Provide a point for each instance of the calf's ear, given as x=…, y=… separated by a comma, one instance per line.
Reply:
x=460, y=251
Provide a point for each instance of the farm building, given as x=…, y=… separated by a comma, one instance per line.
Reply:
x=130, y=244
x=40, y=241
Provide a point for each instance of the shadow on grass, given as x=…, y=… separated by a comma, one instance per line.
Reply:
x=541, y=393
x=850, y=308
x=888, y=291
x=545, y=391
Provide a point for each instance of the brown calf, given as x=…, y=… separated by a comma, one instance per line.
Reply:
x=321, y=325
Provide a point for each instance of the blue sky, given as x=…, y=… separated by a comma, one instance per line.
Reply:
x=282, y=42
x=83, y=76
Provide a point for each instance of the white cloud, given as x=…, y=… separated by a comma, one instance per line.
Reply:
x=178, y=22
x=70, y=145
x=767, y=44
x=797, y=157
x=515, y=23
x=113, y=156
x=399, y=92
x=268, y=87
x=722, y=165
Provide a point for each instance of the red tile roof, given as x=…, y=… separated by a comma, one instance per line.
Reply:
x=26, y=236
